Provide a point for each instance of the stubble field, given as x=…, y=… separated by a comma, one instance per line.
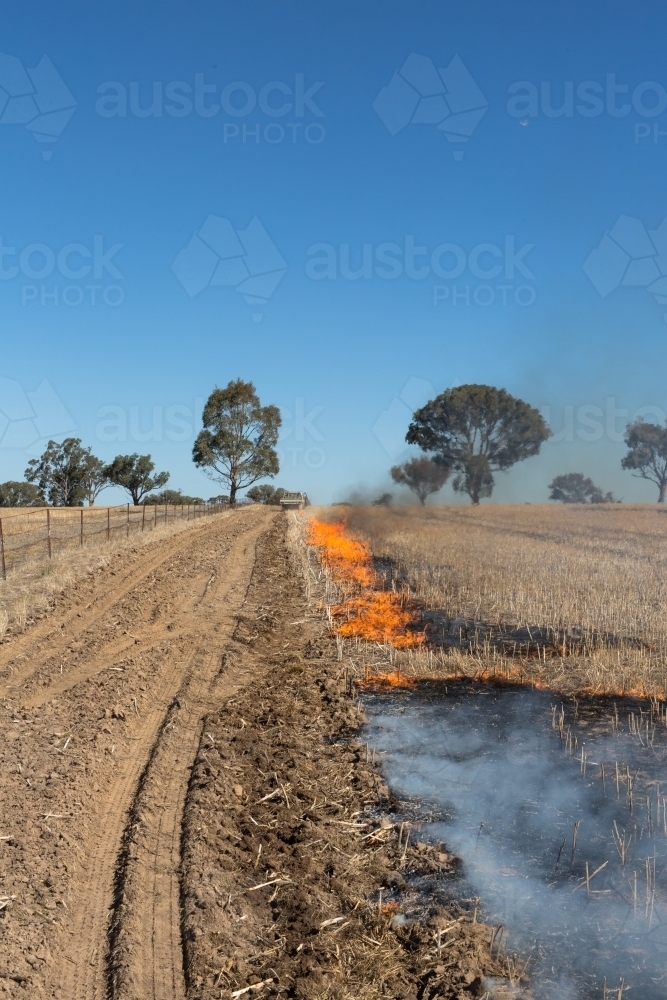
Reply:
x=574, y=597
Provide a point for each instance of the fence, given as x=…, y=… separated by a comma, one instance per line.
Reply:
x=45, y=531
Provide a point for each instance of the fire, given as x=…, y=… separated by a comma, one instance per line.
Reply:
x=393, y=679
x=377, y=617
x=348, y=560
x=367, y=612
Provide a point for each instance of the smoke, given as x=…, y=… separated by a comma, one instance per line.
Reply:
x=509, y=791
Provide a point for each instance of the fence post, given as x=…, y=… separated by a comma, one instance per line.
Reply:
x=127, y=523
x=108, y=524
x=81, y=534
x=143, y=518
x=2, y=552
x=182, y=506
x=166, y=513
x=48, y=531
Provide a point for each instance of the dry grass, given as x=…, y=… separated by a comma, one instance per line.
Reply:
x=581, y=590
x=31, y=589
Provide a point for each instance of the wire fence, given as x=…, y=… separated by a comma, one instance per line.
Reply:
x=43, y=532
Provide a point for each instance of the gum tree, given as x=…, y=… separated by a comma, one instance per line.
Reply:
x=422, y=476
x=134, y=473
x=266, y=494
x=16, y=494
x=647, y=454
x=476, y=430
x=237, y=445
x=574, y=487
x=94, y=479
x=62, y=473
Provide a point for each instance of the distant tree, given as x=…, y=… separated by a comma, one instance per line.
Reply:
x=266, y=494
x=237, y=445
x=174, y=497
x=573, y=487
x=94, y=479
x=384, y=500
x=134, y=473
x=647, y=454
x=475, y=430
x=222, y=499
x=14, y=494
x=63, y=472
x=421, y=475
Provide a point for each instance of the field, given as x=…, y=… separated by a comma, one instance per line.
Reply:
x=185, y=812
x=574, y=597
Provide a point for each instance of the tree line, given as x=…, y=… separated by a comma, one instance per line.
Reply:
x=474, y=431
x=68, y=475
x=236, y=448
x=471, y=432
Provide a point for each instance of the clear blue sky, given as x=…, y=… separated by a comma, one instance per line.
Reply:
x=147, y=119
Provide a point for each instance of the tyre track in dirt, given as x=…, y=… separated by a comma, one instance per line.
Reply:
x=145, y=957
x=114, y=650
x=146, y=942
x=112, y=761
x=146, y=949
x=44, y=642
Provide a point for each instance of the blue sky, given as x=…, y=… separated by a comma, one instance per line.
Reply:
x=266, y=111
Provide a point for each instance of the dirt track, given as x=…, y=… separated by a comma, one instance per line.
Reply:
x=102, y=701
x=169, y=742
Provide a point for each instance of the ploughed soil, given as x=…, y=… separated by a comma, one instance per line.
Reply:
x=184, y=809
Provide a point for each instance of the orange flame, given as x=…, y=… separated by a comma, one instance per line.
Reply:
x=371, y=614
x=394, y=679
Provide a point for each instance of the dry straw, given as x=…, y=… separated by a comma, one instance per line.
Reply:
x=586, y=584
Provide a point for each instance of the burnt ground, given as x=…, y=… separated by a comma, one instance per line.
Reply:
x=175, y=733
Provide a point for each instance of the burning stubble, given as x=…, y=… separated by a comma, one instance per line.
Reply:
x=366, y=611
x=573, y=598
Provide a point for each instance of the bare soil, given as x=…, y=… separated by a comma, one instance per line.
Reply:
x=184, y=810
